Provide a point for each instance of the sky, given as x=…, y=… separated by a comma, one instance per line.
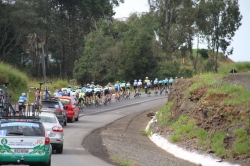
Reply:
x=241, y=40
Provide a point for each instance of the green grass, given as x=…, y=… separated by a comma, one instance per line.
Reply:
x=147, y=132
x=121, y=162
x=18, y=81
x=242, y=143
x=239, y=66
x=175, y=138
x=218, y=142
x=164, y=113
x=202, y=135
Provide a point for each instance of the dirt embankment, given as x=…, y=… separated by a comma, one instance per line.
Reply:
x=211, y=114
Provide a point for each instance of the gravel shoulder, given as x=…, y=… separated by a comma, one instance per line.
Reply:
x=123, y=141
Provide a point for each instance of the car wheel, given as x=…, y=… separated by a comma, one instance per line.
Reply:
x=59, y=150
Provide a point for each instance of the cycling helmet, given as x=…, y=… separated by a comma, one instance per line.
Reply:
x=92, y=82
x=123, y=81
x=139, y=80
x=69, y=86
x=146, y=77
x=135, y=81
x=23, y=94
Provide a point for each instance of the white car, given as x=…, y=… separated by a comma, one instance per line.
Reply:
x=54, y=130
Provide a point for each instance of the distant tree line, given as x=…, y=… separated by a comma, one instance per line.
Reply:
x=80, y=39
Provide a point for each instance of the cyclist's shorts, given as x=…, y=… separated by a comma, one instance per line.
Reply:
x=170, y=84
x=123, y=88
x=127, y=88
x=80, y=99
x=155, y=85
x=106, y=91
x=98, y=93
x=89, y=94
x=166, y=84
x=135, y=87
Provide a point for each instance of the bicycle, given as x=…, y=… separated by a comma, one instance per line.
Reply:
x=162, y=88
x=137, y=94
x=6, y=108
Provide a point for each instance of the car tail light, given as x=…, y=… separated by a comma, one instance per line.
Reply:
x=59, y=110
x=47, y=141
x=47, y=144
x=57, y=129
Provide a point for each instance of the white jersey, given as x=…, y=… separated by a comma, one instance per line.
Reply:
x=139, y=83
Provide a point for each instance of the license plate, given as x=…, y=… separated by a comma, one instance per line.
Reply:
x=23, y=151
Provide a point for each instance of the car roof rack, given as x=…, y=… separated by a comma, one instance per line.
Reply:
x=7, y=112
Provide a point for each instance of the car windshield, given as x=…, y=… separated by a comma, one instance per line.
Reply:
x=65, y=101
x=21, y=128
x=48, y=118
x=49, y=104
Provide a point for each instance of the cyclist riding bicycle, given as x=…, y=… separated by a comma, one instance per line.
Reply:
x=145, y=84
x=21, y=102
x=98, y=93
x=171, y=80
x=106, y=93
x=148, y=86
x=135, y=85
x=156, y=84
x=68, y=90
x=128, y=88
x=123, y=86
x=117, y=89
x=139, y=85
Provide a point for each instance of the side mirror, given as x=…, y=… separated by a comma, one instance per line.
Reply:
x=65, y=107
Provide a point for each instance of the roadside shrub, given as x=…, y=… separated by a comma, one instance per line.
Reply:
x=164, y=113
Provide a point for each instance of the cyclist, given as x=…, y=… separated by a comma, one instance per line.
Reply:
x=89, y=94
x=98, y=93
x=21, y=102
x=68, y=90
x=81, y=98
x=139, y=85
x=171, y=80
x=145, y=84
x=148, y=86
x=106, y=93
x=135, y=85
x=117, y=89
x=165, y=83
x=156, y=84
x=111, y=89
x=123, y=86
x=128, y=88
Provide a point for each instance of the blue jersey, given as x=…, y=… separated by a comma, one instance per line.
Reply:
x=22, y=99
x=148, y=83
x=117, y=86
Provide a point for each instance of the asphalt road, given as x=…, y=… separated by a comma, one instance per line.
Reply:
x=74, y=154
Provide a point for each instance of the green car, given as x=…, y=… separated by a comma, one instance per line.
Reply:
x=24, y=141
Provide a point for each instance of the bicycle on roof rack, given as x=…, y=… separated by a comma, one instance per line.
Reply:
x=47, y=93
x=36, y=105
x=6, y=108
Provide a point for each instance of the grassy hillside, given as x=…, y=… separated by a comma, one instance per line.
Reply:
x=210, y=113
x=18, y=81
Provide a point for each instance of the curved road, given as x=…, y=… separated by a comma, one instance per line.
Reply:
x=91, y=119
x=73, y=153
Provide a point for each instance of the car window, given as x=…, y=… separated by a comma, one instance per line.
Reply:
x=65, y=101
x=46, y=104
x=48, y=118
x=21, y=128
